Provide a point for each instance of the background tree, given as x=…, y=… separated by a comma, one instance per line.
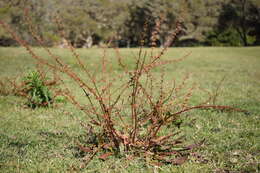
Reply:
x=13, y=12
x=240, y=20
x=145, y=16
x=200, y=16
x=92, y=22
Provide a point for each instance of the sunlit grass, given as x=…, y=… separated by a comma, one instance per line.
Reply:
x=43, y=140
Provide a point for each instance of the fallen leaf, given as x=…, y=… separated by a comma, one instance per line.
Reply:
x=105, y=156
x=85, y=149
x=108, y=146
x=179, y=160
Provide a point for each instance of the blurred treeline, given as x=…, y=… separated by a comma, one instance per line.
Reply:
x=88, y=23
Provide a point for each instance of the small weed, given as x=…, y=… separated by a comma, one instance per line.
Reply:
x=35, y=86
x=38, y=93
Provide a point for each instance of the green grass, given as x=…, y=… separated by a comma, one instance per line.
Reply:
x=43, y=140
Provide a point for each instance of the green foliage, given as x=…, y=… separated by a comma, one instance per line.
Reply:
x=227, y=38
x=241, y=16
x=39, y=94
x=60, y=99
x=251, y=39
x=142, y=20
x=92, y=22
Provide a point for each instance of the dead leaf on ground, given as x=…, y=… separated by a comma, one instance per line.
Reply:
x=179, y=160
x=105, y=156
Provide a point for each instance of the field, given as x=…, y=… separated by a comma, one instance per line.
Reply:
x=44, y=140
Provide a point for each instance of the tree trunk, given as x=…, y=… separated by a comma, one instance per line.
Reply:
x=88, y=42
x=243, y=23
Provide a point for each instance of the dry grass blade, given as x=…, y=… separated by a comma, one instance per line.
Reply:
x=85, y=149
x=179, y=161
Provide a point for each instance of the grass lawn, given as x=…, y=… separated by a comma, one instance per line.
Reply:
x=44, y=140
